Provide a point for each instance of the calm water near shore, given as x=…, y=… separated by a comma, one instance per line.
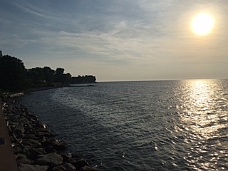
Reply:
x=154, y=125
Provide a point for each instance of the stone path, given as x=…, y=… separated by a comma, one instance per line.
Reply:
x=7, y=159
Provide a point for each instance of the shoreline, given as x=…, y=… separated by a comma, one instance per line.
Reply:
x=34, y=145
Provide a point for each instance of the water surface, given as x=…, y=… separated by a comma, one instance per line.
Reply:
x=154, y=125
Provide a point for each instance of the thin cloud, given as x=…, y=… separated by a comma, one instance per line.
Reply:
x=34, y=11
x=154, y=36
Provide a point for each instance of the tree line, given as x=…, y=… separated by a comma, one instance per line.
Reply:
x=15, y=77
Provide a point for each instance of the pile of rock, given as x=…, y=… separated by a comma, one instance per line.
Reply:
x=35, y=146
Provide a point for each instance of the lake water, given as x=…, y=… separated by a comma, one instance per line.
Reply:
x=154, y=125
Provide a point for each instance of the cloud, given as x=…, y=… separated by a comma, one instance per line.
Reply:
x=133, y=37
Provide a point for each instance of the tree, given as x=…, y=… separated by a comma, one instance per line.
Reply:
x=41, y=76
x=48, y=74
x=83, y=79
x=59, y=75
x=12, y=74
x=15, y=77
x=67, y=78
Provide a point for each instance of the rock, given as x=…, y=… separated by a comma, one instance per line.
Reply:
x=24, y=121
x=49, y=149
x=66, y=156
x=28, y=167
x=17, y=149
x=43, y=134
x=32, y=117
x=59, y=168
x=31, y=143
x=57, y=145
x=33, y=153
x=53, y=133
x=64, y=167
x=32, y=140
x=51, y=159
x=19, y=131
x=81, y=163
x=23, y=159
x=69, y=167
x=87, y=168
x=29, y=136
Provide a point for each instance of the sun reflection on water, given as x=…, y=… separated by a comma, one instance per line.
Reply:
x=200, y=93
x=200, y=106
x=204, y=118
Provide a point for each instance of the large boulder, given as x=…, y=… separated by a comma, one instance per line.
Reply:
x=32, y=143
x=28, y=167
x=58, y=145
x=20, y=158
x=59, y=168
x=64, y=167
x=33, y=153
x=51, y=159
x=69, y=166
x=18, y=150
x=80, y=164
x=87, y=168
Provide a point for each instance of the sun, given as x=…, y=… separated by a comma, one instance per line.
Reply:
x=202, y=24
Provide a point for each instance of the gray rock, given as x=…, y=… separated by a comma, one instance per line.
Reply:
x=28, y=167
x=29, y=136
x=43, y=133
x=51, y=159
x=69, y=167
x=53, y=144
x=19, y=131
x=59, y=168
x=34, y=152
x=81, y=163
x=24, y=121
x=23, y=159
x=58, y=144
x=87, y=168
x=65, y=167
x=49, y=149
x=17, y=149
x=32, y=143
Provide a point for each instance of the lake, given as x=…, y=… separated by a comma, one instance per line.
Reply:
x=147, y=125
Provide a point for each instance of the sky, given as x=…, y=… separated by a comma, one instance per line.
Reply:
x=117, y=40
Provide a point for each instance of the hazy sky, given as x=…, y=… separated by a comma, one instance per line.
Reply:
x=117, y=39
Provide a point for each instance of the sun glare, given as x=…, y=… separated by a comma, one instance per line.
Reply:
x=202, y=24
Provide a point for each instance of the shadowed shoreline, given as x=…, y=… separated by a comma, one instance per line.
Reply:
x=34, y=145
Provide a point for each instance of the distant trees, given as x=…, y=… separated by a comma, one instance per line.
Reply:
x=61, y=77
x=15, y=77
x=83, y=79
x=59, y=72
x=41, y=76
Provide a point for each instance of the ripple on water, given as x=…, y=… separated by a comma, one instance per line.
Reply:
x=163, y=125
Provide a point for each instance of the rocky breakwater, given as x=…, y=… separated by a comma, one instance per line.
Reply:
x=35, y=146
